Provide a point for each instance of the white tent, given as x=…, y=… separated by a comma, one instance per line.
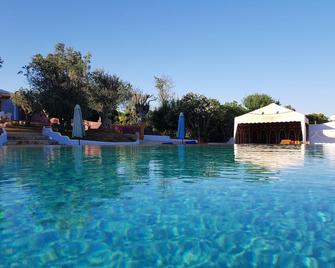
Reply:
x=273, y=113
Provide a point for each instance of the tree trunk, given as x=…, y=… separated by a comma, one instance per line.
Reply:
x=142, y=126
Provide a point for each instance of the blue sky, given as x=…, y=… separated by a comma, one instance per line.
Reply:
x=222, y=49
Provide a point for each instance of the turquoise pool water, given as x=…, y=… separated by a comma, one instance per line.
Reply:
x=167, y=206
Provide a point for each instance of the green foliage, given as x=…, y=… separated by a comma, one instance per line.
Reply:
x=165, y=117
x=106, y=93
x=199, y=111
x=257, y=100
x=63, y=79
x=60, y=80
x=27, y=100
x=128, y=116
x=222, y=127
x=164, y=84
x=317, y=118
x=206, y=119
x=290, y=107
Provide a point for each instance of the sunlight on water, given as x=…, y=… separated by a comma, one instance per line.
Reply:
x=167, y=206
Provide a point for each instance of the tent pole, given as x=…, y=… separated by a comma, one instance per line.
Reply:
x=303, y=130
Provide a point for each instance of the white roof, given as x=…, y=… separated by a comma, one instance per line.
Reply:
x=272, y=113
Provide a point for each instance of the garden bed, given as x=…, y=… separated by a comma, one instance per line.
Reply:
x=108, y=135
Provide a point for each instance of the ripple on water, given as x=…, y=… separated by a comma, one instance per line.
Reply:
x=185, y=206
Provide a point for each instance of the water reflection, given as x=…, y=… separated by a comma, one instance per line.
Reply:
x=93, y=151
x=60, y=185
x=329, y=152
x=271, y=158
x=75, y=179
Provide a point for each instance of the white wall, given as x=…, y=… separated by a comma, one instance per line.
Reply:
x=323, y=133
x=65, y=140
x=157, y=138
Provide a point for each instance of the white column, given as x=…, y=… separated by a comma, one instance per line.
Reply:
x=235, y=130
x=304, y=131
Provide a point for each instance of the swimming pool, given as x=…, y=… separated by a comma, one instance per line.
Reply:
x=167, y=206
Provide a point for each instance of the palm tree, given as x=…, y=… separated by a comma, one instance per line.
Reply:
x=142, y=106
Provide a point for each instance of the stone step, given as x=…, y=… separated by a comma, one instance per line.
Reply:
x=19, y=136
x=26, y=137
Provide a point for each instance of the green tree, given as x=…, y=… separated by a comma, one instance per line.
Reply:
x=258, y=100
x=128, y=116
x=27, y=100
x=106, y=93
x=317, y=118
x=199, y=112
x=164, y=85
x=222, y=127
x=290, y=107
x=206, y=119
x=165, y=117
x=60, y=80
